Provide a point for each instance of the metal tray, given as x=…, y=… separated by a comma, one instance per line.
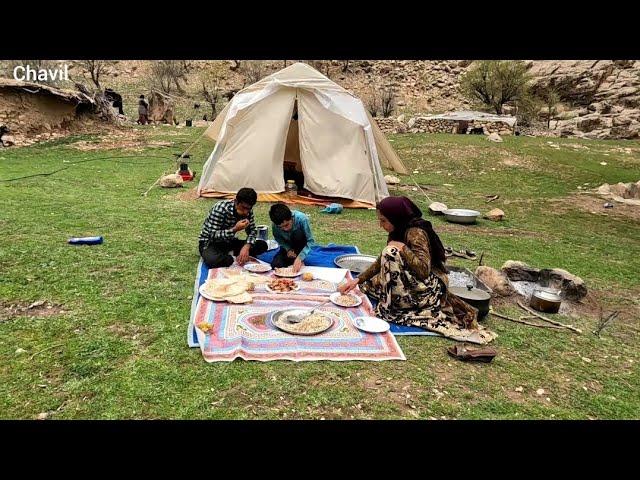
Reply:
x=277, y=315
x=473, y=280
x=355, y=262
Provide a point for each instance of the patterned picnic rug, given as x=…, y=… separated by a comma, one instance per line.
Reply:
x=245, y=331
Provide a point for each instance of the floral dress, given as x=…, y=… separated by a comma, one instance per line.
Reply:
x=412, y=293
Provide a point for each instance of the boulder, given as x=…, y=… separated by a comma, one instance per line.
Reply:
x=495, y=215
x=391, y=180
x=622, y=190
x=8, y=140
x=520, y=271
x=495, y=280
x=437, y=208
x=161, y=108
x=589, y=123
x=571, y=286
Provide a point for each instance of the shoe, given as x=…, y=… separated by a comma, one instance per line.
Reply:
x=472, y=354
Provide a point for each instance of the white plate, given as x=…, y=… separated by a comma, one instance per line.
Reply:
x=275, y=291
x=257, y=267
x=334, y=299
x=209, y=297
x=284, y=275
x=371, y=324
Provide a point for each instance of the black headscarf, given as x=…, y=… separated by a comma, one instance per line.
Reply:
x=403, y=214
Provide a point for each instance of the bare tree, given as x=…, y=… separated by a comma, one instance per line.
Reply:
x=102, y=106
x=372, y=102
x=387, y=102
x=165, y=74
x=210, y=79
x=551, y=98
x=96, y=68
x=253, y=71
x=212, y=96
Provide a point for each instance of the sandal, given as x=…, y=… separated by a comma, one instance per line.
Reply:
x=468, y=254
x=448, y=251
x=471, y=354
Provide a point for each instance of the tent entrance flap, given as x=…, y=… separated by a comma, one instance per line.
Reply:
x=291, y=162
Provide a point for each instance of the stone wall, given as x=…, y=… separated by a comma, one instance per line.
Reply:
x=431, y=125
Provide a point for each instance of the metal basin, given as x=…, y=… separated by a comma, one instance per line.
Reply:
x=355, y=262
x=461, y=215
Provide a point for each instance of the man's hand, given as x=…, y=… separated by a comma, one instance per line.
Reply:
x=297, y=265
x=241, y=225
x=243, y=256
x=291, y=254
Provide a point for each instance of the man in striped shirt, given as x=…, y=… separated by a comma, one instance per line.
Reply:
x=218, y=236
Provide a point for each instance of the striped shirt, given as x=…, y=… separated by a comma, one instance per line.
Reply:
x=218, y=226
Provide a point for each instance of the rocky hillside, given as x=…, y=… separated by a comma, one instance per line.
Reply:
x=600, y=99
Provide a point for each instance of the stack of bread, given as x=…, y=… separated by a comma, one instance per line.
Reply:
x=233, y=290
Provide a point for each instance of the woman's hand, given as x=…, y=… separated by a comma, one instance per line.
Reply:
x=297, y=265
x=347, y=286
x=398, y=245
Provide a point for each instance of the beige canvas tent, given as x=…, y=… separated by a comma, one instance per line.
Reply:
x=299, y=118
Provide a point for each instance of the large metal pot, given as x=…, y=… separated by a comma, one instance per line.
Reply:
x=474, y=297
x=461, y=215
x=545, y=300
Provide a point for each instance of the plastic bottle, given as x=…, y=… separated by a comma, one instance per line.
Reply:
x=291, y=188
x=86, y=240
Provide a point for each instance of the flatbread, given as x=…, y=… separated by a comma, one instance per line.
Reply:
x=224, y=288
x=242, y=298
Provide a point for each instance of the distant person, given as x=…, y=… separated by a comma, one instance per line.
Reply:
x=143, y=111
x=115, y=99
x=218, y=236
x=293, y=233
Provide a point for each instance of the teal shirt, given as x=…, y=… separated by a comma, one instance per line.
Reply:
x=300, y=222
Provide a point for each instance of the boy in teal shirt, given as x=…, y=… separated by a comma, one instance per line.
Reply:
x=293, y=233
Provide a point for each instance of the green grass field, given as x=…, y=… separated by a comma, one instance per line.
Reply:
x=114, y=344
